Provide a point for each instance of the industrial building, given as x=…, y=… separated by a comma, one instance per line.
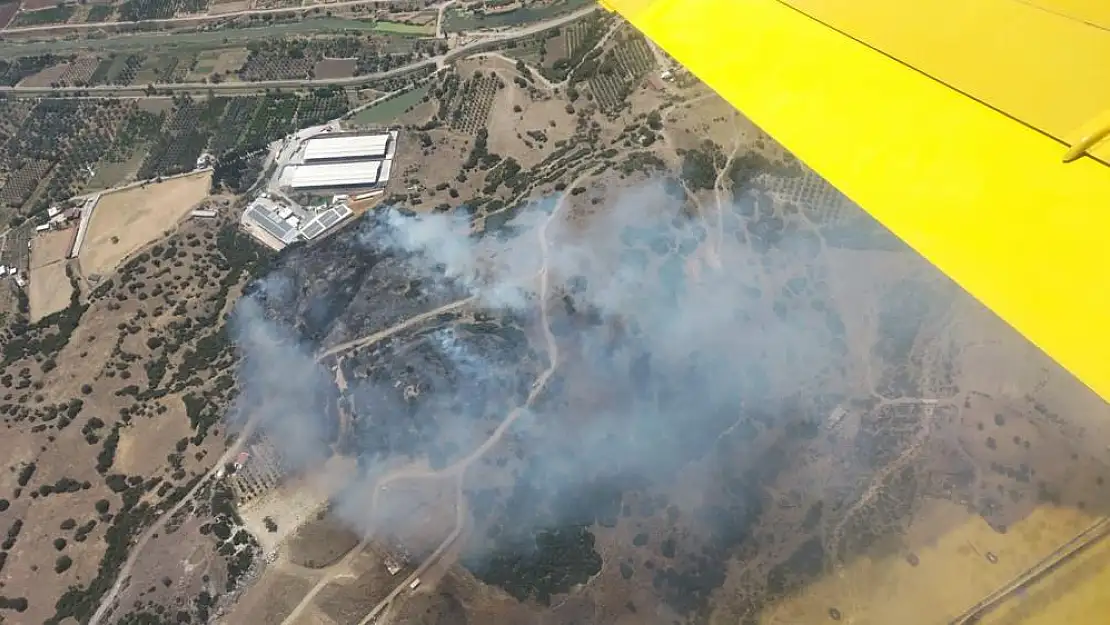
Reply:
x=336, y=175
x=349, y=147
x=273, y=219
x=276, y=224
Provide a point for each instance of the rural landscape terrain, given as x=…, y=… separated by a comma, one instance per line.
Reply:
x=599, y=351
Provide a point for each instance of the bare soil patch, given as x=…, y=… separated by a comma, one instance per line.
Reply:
x=125, y=221
x=49, y=286
x=7, y=11
x=322, y=541
x=46, y=77
x=335, y=68
x=34, y=5
x=347, y=600
x=218, y=8
x=142, y=446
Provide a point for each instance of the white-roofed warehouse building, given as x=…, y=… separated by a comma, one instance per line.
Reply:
x=336, y=175
x=339, y=148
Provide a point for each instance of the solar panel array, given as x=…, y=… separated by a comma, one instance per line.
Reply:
x=324, y=220
x=275, y=227
x=312, y=230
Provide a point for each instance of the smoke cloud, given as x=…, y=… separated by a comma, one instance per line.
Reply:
x=676, y=331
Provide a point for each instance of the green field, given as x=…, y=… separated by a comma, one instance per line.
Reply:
x=390, y=110
x=397, y=28
x=456, y=20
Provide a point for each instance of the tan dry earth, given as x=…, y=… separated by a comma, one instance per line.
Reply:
x=49, y=287
x=125, y=221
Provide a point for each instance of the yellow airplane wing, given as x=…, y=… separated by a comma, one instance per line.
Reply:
x=978, y=131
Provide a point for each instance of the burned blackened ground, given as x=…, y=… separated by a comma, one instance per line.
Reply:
x=350, y=285
x=435, y=392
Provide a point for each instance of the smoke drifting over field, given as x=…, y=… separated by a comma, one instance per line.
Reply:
x=674, y=333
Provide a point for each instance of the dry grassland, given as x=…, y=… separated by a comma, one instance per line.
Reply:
x=141, y=449
x=49, y=287
x=952, y=573
x=125, y=221
x=336, y=68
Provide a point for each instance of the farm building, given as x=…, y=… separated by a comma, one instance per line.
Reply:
x=339, y=148
x=336, y=175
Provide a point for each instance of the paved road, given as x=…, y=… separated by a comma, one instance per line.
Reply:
x=491, y=38
x=187, y=19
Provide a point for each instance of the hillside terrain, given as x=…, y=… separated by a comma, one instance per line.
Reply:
x=603, y=353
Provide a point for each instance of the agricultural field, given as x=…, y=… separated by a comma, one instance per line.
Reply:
x=61, y=147
x=12, y=114
x=79, y=72
x=563, y=54
x=181, y=138
x=138, y=10
x=42, y=17
x=219, y=8
x=620, y=71
x=216, y=64
x=125, y=221
x=466, y=105
x=400, y=28
x=466, y=19
x=301, y=57
x=335, y=68
x=64, y=137
x=389, y=110
x=36, y=5
x=15, y=70
x=49, y=77
x=117, y=69
x=159, y=68
x=22, y=181
x=7, y=12
x=100, y=13
x=50, y=288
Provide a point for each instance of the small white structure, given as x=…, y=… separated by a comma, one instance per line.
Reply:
x=203, y=213
x=19, y=281
x=392, y=566
x=42, y=228
x=53, y=211
x=414, y=584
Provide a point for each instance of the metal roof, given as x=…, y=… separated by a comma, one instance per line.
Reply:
x=269, y=222
x=346, y=147
x=335, y=175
